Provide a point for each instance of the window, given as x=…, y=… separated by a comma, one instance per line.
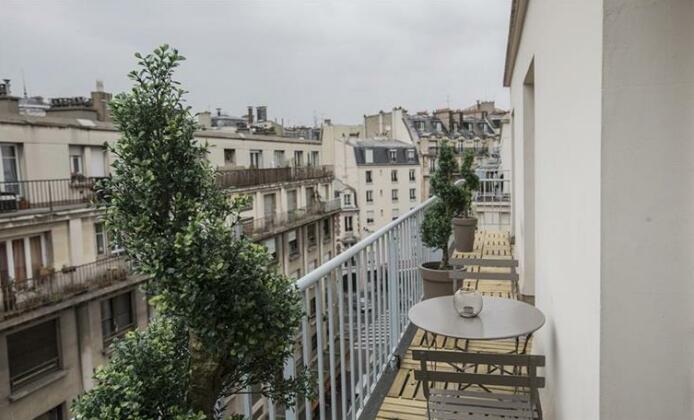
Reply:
x=33, y=353
x=369, y=155
x=291, y=200
x=101, y=241
x=315, y=160
x=249, y=202
x=311, y=236
x=326, y=229
x=293, y=242
x=9, y=171
x=104, y=246
x=432, y=165
x=24, y=258
x=298, y=158
x=271, y=246
x=412, y=175
x=55, y=414
x=347, y=199
x=116, y=316
x=311, y=198
x=348, y=224
x=269, y=206
x=229, y=157
x=369, y=217
x=369, y=196
x=394, y=175
x=278, y=158
x=395, y=214
x=413, y=194
x=410, y=155
x=256, y=158
x=394, y=195
x=393, y=154
x=369, y=177
x=76, y=163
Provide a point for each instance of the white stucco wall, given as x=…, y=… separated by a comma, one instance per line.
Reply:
x=647, y=334
x=564, y=39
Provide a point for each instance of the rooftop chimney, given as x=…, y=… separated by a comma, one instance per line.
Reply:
x=100, y=100
x=261, y=111
x=8, y=103
x=250, y=115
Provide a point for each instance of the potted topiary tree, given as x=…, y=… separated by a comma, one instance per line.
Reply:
x=437, y=226
x=464, y=225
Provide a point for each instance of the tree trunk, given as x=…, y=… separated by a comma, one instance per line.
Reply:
x=205, y=377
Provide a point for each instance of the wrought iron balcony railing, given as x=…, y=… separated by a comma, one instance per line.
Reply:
x=46, y=194
x=290, y=219
x=48, y=285
x=240, y=178
x=494, y=190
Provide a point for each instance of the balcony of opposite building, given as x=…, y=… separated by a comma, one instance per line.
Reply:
x=21, y=291
x=271, y=225
x=255, y=177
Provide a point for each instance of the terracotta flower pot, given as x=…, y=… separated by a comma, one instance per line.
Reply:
x=464, y=233
x=435, y=282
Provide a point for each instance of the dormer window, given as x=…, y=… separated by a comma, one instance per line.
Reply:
x=410, y=155
x=369, y=156
x=393, y=153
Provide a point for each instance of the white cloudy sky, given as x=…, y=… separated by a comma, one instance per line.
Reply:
x=328, y=59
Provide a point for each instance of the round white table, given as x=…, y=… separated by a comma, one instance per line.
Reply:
x=500, y=319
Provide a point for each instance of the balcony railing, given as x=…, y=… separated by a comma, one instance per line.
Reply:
x=288, y=220
x=239, y=178
x=494, y=190
x=368, y=290
x=50, y=285
x=46, y=194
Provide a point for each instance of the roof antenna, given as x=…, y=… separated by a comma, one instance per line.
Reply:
x=24, y=84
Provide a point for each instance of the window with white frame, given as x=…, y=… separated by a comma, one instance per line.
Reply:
x=369, y=177
x=271, y=246
x=76, y=160
x=315, y=158
x=394, y=195
x=278, y=158
x=369, y=196
x=370, y=217
x=394, y=175
x=410, y=155
x=413, y=194
x=256, y=157
x=412, y=175
x=393, y=154
x=347, y=199
x=9, y=171
x=101, y=241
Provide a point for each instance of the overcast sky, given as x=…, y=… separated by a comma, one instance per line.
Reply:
x=303, y=59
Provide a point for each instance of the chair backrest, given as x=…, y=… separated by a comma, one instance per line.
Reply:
x=526, y=362
x=463, y=272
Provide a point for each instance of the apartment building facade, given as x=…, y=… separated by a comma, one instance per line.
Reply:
x=67, y=292
x=603, y=166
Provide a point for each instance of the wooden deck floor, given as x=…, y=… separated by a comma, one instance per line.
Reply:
x=405, y=400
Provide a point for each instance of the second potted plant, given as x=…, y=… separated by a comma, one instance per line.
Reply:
x=464, y=224
x=437, y=226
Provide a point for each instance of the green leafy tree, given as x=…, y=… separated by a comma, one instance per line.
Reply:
x=238, y=317
x=453, y=200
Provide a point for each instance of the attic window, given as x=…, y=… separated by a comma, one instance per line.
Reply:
x=410, y=155
x=369, y=156
x=393, y=153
